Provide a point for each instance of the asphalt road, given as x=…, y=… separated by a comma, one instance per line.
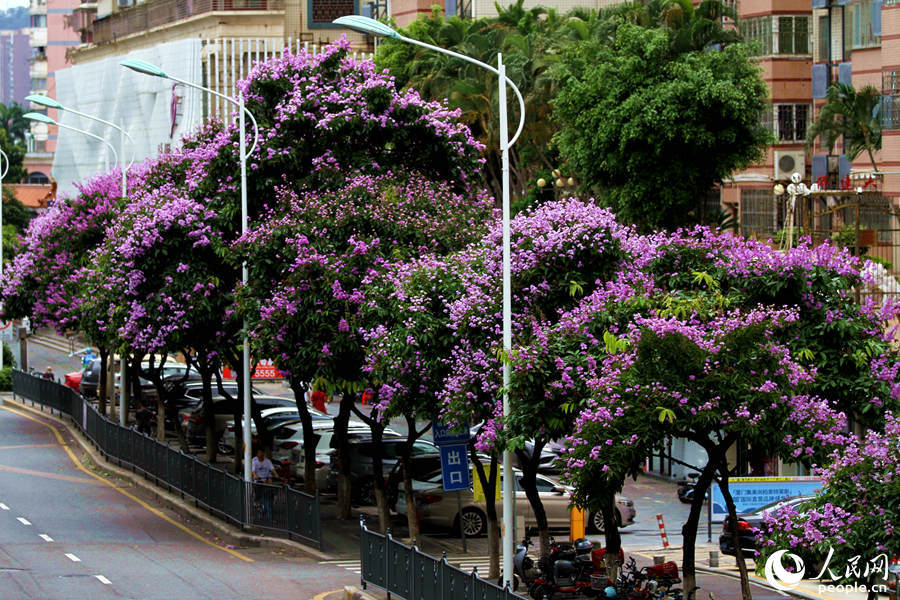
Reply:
x=67, y=532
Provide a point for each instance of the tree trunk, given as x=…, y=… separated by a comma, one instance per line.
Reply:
x=340, y=442
x=612, y=539
x=104, y=377
x=489, y=485
x=689, y=529
x=529, y=467
x=735, y=535
x=310, y=439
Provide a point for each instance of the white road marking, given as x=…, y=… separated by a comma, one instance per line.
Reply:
x=73, y=558
x=23, y=520
x=103, y=579
x=3, y=506
x=45, y=537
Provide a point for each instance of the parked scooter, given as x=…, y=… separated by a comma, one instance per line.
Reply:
x=686, y=487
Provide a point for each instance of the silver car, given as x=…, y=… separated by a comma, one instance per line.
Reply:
x=441, y=509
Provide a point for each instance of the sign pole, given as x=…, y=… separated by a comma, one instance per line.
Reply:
x=462, y=530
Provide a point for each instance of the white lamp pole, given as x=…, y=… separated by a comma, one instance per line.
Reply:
x=51, y=103
x=373, y=27
x=150, y=69
x=3, y=171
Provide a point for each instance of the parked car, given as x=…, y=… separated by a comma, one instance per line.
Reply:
x=439, y=508
x=549, y=454
x=90, y=378
x=748, y=524
x=362, y=467
x=271, y=418
x=288, y=441
x=224, y=410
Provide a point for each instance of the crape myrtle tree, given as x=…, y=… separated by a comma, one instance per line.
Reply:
x=165, y=286
x=560, y=250
x=340, y=143
x=314, y=256
x=768, y=318
x=638, y=121
x=849, y=530
x=44, y=281
x=406, y=352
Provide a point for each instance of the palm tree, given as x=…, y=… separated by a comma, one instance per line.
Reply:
x=13, y=121
x=855, y=115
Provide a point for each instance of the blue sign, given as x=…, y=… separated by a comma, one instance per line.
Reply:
x=443, y=433
x=751, y=493
x=455, y=467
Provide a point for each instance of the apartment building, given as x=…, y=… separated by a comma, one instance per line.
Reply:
x=51, y=36
x=15, y=54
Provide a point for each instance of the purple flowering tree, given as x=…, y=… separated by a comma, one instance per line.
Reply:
x=848, y=531
x=44, y=280
x=313, y=256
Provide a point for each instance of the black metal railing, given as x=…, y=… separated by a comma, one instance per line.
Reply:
x=408, y=573
x=278, y=508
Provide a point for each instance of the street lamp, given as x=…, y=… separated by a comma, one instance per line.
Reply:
x=794, y=189
x=146, y=68
x=33, y=116
x=51, y=103
x=376, y=28
x=3, y=172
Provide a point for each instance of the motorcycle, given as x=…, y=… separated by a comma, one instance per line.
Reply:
x=569, y=571
x=647, y=583
x=686, y=488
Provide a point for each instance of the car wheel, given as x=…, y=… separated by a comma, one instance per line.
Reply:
x=223, y=447
x=595, y=522
x=473, y=522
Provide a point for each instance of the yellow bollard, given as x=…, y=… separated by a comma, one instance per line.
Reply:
x=576, y=523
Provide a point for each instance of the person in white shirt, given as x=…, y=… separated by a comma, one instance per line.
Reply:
x=261, y=468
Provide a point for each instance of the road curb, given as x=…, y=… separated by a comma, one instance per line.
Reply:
x=762, y=582
x=169, y=499
x=354, y=593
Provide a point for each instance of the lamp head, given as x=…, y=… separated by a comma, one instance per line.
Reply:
x=44, y=101
x=33, y=116
x=142, y=66
x=366, y=25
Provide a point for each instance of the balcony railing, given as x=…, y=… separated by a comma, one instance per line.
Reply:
x=161, y=12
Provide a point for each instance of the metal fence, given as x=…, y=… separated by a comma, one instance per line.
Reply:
x=408, y=573
x=278, y=508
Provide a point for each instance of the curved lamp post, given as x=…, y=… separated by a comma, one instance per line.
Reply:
x=146, y=68
x=373, y=27
x=3, y=171
x=51, y=103
x=33, y=116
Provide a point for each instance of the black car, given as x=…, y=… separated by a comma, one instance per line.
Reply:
x=424, y=455
x=748, y=525
x=90, y=378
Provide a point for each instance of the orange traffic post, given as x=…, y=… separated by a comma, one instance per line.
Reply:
x=576, y=524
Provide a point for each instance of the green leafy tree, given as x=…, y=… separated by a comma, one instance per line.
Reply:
x=654, y=132
x=852, y=114
x=13, y=121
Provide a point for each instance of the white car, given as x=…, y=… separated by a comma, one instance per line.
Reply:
x=324, y=451
x=271, y=417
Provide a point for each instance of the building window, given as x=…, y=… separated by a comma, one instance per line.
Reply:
x=890, y=99
x=824, y=39
x=39, y=83
x=858, y=31
x=782, y=34
x=39, y=21
x=325, y=11
x=37, y=177
x=759, y=213
x=790, y=121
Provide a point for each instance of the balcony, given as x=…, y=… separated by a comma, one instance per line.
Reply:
x=156, y=13
x=38, y=37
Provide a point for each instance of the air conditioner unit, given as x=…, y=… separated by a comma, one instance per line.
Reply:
x=788, y=163
x=126, y=3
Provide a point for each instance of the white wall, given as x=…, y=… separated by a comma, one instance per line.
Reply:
x=140, y=103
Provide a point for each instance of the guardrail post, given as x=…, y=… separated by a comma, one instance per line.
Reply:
x=443, y=573
x=388, y=542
